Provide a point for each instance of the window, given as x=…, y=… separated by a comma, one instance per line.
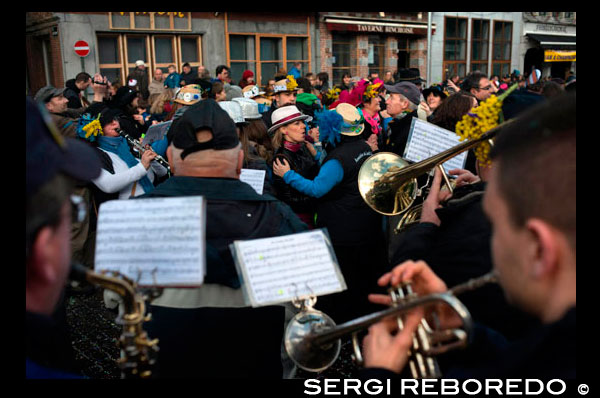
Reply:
x=501, y=48
x=480, y=36
x=109, y=54
x=266, y=55
x=403, y=53
x=345, y=57
x=376, y=55
x=118, y=53
x=297, y=51
x=455, y=47
x=150, y=20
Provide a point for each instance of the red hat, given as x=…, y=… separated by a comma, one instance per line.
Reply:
x=247, y=74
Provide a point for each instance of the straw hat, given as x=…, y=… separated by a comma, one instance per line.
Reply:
x=189, y=95
x=251, y=91
x=353, y=119
x=287, y=85
x=286, y=115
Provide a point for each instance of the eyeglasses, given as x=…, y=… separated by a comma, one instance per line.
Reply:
x=486, y=87
x=78, y=209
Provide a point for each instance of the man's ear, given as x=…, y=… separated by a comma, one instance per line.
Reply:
x=240, y=162
x=544, y=248
x=42, y=256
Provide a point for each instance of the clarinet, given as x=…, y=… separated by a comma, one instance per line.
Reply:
x=141, y=150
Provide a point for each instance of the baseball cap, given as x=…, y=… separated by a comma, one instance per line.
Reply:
x=46, y=93
x=139, y=62
x=407, y=89
x=205, y=114
x=49, y=153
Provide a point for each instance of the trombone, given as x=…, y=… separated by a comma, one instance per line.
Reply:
x=313, y=341
x=388, y=183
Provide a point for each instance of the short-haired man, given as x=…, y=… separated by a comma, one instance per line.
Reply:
x=284, y=93
x=402, y=107
x=534, y=252
x=222, y=74
x=51, y=163
x=199, y=328
x=157, y=86
x=478, y=84
x=187, y=76
x=74, y=90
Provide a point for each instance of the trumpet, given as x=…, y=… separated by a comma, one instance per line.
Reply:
x=388, y=183
x=138, y=352
x=138, y=146
x=313, y=341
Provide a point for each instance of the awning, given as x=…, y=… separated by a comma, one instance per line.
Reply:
x=554, y=42
x=365, y=25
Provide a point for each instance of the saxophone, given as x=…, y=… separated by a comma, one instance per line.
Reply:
x=138, y=352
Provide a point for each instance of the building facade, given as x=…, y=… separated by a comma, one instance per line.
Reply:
x=267, y=43
x=549, y=42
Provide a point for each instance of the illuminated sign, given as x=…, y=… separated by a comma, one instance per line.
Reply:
x=559, y=56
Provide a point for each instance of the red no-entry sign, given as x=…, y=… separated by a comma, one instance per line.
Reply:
x=82, y=48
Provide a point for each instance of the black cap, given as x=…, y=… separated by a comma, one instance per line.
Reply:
x=48, y=152
x=203, y=114
x=46, y=93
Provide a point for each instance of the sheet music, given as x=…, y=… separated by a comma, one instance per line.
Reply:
x=156, y=132
x=162, y=234
x=277, y=270
x=254, y=178
x=426, y=140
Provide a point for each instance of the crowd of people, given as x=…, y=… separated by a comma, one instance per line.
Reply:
x=311, y=137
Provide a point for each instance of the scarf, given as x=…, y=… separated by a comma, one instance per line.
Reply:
x=119, y=146
x=374, y=121
x=292, y=146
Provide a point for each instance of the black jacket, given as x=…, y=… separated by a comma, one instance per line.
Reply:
x=397, y=135
x=303, y=163
x=72, y=94
x=142, y=81
x=189, y=78
x=205, y=342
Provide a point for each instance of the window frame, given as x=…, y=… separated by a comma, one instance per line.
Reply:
x=150, y=60
x=152, y=22
x=257, y=62
x=475, y=64
x=351, y=69
x=454, y=62
x=502, y=62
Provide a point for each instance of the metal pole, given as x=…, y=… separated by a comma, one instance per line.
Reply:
x=429, y=78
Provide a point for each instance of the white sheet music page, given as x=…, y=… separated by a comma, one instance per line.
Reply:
x=427, y=139
x=277, y=270
x=254, y=178
x=161, y=235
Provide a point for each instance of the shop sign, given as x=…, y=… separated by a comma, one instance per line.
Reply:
x=177, y=14
x=559, y=56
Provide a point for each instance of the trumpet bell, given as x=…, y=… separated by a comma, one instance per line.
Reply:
x=305, y=354
x=381, y=189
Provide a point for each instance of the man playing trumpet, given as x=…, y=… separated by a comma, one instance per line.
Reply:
x=530, y=201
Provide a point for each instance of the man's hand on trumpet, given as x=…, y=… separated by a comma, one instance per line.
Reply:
x=382, y=348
